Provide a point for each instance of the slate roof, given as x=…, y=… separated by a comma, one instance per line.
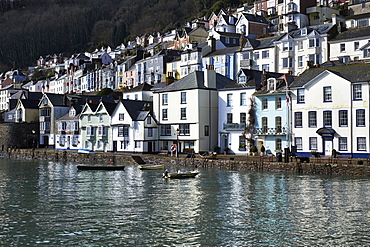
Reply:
x=194, y=80
x=254, y=79
x=356, y=17
x=56, y=99
x=30, y=103
x=255, y=18
x=109, y=107
x=138, y=110
x=142, y=87
x=159, y=86
x=352, y=72
x=225, y=51
x=260, y=43
x=321, y=29
x=281, y=83
x=352, y=33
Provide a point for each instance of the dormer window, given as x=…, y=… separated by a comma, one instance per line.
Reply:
x=271, y=83
x=304, y=31
x=242, y=79
x=72, y=112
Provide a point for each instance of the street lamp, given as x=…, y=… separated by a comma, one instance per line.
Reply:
x=177, y=142
x=33, y=139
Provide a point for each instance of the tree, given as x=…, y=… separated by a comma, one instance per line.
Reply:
x=104, y=92
x=251, y=125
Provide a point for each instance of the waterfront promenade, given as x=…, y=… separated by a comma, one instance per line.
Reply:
x=308, y=165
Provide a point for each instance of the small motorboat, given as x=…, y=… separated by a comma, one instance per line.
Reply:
x=151, y=167
x=95, y=167
x=146, y=166
x=85, y=151
x=180, y=174
x=208, y=154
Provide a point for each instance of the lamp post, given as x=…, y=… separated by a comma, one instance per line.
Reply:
x=177, y=142
x=33, y=139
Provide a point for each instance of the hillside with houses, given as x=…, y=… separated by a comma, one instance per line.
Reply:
x=275, y=76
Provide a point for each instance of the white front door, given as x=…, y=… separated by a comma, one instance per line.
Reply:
x=328, y=147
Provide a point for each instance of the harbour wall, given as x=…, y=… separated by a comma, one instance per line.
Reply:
x=245, y=163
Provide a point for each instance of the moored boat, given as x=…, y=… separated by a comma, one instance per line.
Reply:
x=150, y=167
x=95, y=167
x=179, y=174
x=207, y=154
x=146, y=166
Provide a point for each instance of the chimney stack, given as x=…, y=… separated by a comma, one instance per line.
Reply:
x=210, y=77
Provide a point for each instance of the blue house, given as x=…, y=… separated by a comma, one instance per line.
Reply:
x=223, y=61
x=272, y=108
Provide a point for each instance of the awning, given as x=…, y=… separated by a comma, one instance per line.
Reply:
x=326, y=132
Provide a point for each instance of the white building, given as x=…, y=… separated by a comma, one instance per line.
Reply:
x=187, y=111
x=331, y=110
x=233, y=106
x=295, y=49
x=351, y=45
x=133, y=127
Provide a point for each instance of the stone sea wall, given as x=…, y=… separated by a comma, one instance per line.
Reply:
x=240, y=163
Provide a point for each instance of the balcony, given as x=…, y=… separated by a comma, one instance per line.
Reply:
x=271, y=131
x=234, y=126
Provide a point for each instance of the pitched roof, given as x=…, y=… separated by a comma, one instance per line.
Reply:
x=320, y=29
x=30, y=103
x=109, y=107
x=352, y=72
x=56, y=99
x=225, y=51
x=141, y=87
x=194, y=80
x=254, y=78
x=353, y=33
x=255, y=18
x=137, y=109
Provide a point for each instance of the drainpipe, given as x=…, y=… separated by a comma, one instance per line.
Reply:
x=351, y=111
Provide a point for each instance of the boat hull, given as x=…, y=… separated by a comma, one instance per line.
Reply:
x=182, y=175
x=149, y=167
x=208, y=155
x=109, y=168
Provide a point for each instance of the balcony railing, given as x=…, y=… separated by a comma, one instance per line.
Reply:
x=234, y=126
x=271, y=131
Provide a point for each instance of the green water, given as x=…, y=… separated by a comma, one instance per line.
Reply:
x=52, y=204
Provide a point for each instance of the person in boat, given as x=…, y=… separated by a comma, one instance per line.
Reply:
x=165, y=174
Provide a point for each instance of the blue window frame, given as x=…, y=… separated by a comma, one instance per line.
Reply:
x=361, y=143
x=360, y=118
x=313, y=143
x=298, y=119
x=312, y=119
x=327, y=94
x=298, y=143
x=357, y=92
x=300, y=96
x=343, y=118
x=343, y=144
x=327, y=117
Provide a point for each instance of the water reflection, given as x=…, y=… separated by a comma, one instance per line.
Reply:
x=53, y=204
